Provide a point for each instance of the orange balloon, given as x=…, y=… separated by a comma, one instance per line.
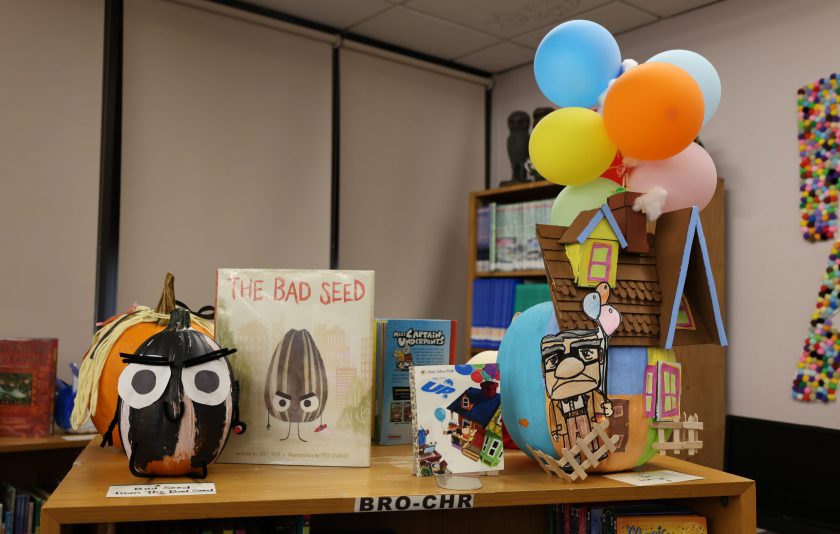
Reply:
x=653, y=111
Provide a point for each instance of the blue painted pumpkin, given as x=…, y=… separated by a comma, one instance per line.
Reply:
x=527, y=411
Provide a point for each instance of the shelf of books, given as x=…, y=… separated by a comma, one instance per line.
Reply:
x=505, y=266
x=337, y=499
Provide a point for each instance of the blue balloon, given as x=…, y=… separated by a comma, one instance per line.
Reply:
x=464, y=369
x=440, y=415
x=575, y=62
x=703, y=72
x=592, y=305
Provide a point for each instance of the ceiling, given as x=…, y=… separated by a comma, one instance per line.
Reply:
x=491, y=35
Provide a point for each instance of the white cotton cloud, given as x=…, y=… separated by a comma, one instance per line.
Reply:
x=628, y=64
x=651, y=203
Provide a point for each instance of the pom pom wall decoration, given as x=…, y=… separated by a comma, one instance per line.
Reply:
x=819, y=161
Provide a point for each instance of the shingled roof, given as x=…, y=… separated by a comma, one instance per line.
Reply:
x=647, y=311
x=637, y=294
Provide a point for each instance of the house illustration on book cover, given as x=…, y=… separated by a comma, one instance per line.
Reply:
x=479, y=430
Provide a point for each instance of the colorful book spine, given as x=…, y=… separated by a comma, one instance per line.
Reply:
x=506, y=235
x=482, y=261
x=493, y=310
x=493, y=223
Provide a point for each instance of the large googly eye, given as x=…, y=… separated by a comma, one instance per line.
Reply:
x=141, y=385
x=207, y=383
x=309, y=403
x=282, y=402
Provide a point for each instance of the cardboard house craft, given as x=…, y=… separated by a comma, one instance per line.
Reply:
x=662, y=282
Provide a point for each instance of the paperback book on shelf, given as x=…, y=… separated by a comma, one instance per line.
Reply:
x=304, y=364
x=27, y=386
x=400, y=344
x=456, y=424
x=673, y=524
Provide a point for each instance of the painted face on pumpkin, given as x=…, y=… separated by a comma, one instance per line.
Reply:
x=571, y=363
x=176, y=401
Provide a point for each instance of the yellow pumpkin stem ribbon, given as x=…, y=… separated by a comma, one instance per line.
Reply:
x=101, y=345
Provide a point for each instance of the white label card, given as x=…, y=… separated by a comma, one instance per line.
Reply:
x=403, y=503
x=162, y=490
x=651, y=478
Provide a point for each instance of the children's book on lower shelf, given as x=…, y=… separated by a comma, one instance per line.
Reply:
x=27, y=386
x=640, y=517
x=400, y=344
x=304, y=364
x=456, y=421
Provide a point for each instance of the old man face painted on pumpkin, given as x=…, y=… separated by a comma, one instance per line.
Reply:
x=296, y=382
x=176, y=402
x=572, y=362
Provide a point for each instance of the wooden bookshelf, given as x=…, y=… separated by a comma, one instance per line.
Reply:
x=503, y=195
x=511, y=274
x=38, y=462
x=515, y=498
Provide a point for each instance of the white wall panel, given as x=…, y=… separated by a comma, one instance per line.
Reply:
x=50, y=114
x=412, y=148
x=226, y=150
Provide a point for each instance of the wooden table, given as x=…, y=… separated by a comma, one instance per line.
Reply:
x=258, y=490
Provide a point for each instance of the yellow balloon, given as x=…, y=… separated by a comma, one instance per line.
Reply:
x=570, y=146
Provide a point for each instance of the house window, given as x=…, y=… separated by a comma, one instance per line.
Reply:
x=492, y=447
x=649, y=396
x=685, y=319
x=599, y=263
x=669, y=391
x=465, y=403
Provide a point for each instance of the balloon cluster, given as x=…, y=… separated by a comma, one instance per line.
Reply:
x=621, y=123
x=479, y=373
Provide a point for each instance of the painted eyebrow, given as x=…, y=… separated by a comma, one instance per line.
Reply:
x=158, y=360
x=281, y=394
x=304, y=397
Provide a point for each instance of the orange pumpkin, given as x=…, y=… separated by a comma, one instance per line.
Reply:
x=144, y=322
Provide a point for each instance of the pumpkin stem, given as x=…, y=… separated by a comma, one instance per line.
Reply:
x=167, y=299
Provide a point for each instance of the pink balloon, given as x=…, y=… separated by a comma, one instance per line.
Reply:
x=690, y=178
x=609, y=319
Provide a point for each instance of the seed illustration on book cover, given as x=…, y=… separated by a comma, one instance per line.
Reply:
x=296, y=384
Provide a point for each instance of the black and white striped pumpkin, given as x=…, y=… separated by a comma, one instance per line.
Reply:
x=177, y=401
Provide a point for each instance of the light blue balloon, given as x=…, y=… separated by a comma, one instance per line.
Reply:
x=592, y=305
x=574, y=63
x=440, y=415
x=703, y=72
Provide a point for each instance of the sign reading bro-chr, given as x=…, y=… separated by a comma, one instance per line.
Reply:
x=404, y=503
